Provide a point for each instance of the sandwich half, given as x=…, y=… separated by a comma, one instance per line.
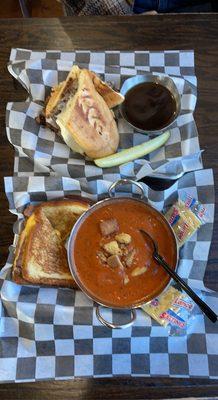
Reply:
x=61, y=93
x=41, y=256
x=45, y=257
x=87, y=124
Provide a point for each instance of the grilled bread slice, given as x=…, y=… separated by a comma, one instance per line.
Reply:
x=44, y=235
x=45, y=257
x=63, y=214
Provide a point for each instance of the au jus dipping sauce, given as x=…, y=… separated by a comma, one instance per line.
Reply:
x=149, y=106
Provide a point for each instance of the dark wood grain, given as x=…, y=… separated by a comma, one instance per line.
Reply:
x=105, y=389
x=198, y=32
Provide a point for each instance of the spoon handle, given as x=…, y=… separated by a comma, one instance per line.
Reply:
x=203, y=306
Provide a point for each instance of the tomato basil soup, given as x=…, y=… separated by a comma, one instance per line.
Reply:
x=113, y=262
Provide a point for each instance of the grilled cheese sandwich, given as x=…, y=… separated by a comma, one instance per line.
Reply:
x=41, y=256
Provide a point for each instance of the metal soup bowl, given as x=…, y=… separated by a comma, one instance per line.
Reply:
x=71, y=259
x=165, y=81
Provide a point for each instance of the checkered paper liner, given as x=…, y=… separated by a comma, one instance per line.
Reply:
x=50, y=333
x=39, y=71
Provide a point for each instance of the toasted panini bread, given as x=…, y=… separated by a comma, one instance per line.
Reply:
x=110, y=96
x=46, y=230
x=61, y=93
x=87, y=124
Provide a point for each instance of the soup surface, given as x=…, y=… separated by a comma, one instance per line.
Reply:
x=124, y=284
x=149, y=106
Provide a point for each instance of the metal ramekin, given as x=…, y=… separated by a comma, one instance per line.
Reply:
x=71, y=247
x=165, y=81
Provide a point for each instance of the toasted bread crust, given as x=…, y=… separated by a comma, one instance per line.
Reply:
x=62, y=92
x=110, y=96
x=74, y=202
x=17, y=264
x=77, y=205
x=17, y=269
x=17, y=278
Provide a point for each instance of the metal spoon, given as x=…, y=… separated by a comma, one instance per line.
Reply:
x=203, y=306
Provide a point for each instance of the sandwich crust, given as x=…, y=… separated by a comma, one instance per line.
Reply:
x=17, y=265
x=110, y=96
x=61, y=93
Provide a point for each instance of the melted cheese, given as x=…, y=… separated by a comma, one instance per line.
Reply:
x=68, y=138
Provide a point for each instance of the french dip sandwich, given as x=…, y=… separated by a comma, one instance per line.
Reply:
x=80, y=109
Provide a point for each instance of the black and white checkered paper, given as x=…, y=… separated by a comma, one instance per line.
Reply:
x=39, y=71
x=50, y=333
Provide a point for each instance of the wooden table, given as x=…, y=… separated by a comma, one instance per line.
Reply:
x=189, y=31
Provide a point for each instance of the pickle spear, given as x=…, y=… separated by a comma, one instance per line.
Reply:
x=133, y=153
